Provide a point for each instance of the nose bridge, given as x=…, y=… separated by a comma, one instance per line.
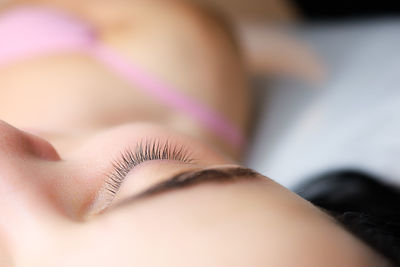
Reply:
x=18, y=167
x=16, y=143
x=27, y=213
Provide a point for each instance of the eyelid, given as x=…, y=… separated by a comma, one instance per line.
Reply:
x=130, y=158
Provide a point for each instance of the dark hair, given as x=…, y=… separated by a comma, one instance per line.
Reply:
x=366, y=207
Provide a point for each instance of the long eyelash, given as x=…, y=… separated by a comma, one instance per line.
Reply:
x=142, y=152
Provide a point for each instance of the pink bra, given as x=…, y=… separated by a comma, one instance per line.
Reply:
x=34, y=31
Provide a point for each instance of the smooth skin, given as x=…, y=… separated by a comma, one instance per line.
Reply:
x=57, y=145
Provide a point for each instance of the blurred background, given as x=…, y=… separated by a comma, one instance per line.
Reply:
x=332, y=99
x=289, y=10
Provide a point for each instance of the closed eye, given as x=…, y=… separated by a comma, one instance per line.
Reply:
x=129, y=159
x=142, y=152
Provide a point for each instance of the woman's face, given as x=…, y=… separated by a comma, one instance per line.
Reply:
x=69, y=207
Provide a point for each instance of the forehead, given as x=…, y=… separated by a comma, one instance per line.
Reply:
x=247, y=222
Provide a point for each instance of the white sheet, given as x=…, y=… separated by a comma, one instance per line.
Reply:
x=350, y=121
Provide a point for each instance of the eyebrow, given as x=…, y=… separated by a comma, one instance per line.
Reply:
x=191, y=178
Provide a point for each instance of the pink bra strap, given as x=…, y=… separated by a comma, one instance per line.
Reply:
x=168, y=95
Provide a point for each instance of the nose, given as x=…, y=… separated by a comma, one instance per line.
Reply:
x=34, y=177
x=17, y=143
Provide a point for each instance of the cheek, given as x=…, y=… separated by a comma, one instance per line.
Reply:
x=130, y=134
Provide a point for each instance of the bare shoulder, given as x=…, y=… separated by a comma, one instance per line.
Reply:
x=184, y=44
x=105, y=11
